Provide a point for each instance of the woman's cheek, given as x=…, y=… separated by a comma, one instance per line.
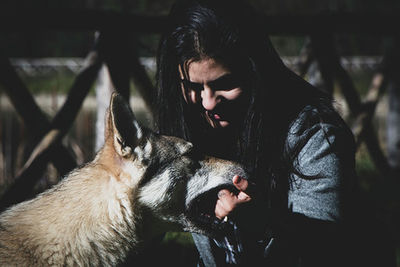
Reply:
x=234, y=94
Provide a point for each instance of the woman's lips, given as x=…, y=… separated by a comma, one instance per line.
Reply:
x=213, y=115
x=217, y=117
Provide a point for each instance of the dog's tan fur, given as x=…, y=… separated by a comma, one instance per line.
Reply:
x=107, y=208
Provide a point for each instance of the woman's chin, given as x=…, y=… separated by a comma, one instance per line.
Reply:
x=223, y=124
x=220, y=124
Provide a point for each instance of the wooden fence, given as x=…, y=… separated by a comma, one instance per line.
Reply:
x=116, y=49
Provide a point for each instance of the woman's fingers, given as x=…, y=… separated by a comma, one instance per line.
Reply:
x=220, y=210
x=243, y=197
x=228, y=201
x=242, y=185
x=225, y=204
x=239, y=183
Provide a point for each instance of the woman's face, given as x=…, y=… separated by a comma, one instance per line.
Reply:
x=219, y=92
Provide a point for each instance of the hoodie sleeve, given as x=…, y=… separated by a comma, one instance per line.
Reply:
x=325, y=166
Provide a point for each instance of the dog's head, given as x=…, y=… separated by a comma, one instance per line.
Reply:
x=169, y=179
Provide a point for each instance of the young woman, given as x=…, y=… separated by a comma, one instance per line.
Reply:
x=222, y=86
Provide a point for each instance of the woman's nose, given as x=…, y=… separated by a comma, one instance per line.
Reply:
x=209, y=98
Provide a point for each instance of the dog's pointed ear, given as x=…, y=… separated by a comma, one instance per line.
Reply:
x=126, y=131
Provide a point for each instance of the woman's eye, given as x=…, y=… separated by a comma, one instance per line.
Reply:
x=198, y=87
x=226, y=86
x=225, y=83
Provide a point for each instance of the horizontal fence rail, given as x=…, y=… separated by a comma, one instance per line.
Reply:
x=95, y=19
x=44, y=66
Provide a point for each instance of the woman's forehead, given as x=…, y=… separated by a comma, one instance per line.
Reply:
x=204, y=69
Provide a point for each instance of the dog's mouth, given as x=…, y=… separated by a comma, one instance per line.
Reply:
x=202, y=194
x=201, y=210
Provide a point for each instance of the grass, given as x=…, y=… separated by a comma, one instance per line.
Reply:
x=185, y=239
x=362, y=81
x=57, y=83
x=175, y=249
x=366, y=170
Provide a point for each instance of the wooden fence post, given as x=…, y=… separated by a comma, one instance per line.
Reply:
x=392, y=70
x=22, y=185
x=393, y=125
x=327, y=52
x=33, y=117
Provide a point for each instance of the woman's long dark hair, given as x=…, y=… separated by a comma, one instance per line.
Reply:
x=230, y=32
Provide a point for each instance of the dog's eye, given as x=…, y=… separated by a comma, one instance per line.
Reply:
x=194, y=154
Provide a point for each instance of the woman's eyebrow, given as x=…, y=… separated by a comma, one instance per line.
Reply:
x=219, y=79
x=224, y=80
x=190, y=83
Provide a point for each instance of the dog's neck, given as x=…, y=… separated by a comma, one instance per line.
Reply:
x=99, y=224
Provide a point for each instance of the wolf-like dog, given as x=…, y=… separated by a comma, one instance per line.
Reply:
x=139, y=185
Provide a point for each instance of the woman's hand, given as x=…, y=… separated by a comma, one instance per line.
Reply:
x=228, y=201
